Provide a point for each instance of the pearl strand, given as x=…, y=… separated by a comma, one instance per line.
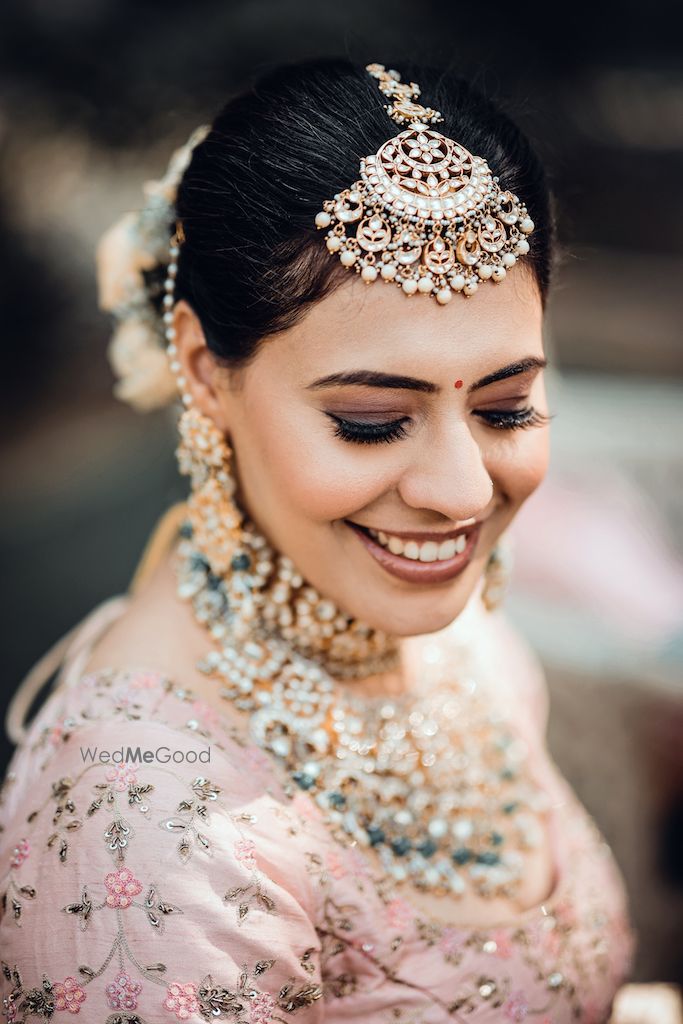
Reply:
x=168, y=317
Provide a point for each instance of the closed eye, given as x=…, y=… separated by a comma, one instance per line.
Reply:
x=512, y=419
x=369, y=433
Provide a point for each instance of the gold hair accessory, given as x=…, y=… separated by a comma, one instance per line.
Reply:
x=429, y=216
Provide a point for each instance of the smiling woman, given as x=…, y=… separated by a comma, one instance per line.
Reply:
x=380, y=833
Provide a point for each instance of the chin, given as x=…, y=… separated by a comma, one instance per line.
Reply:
x=413, y=614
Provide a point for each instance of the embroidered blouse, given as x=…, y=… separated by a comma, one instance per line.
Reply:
x=183, y=879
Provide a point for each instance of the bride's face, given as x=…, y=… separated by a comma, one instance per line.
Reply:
x=396, y=414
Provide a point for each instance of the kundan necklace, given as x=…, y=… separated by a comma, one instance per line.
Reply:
x=433, y=780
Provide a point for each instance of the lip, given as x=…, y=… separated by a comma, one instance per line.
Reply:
x=414, y=571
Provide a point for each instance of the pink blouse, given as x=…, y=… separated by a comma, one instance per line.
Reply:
x=188, y=882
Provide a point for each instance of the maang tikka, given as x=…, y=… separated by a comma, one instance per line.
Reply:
x=429, y=216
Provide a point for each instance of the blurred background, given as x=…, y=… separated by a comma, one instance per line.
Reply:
x=95, y=94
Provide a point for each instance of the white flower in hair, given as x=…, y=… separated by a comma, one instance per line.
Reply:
x=120, y=261
x=138, y=242
x=136, y=357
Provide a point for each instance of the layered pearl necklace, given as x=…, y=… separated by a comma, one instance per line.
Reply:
x=433, y=780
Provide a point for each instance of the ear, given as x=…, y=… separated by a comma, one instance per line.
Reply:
x=198, y=365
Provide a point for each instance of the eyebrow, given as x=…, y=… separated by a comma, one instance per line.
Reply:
x=377, y=379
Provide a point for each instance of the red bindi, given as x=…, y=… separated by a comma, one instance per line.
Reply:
x=458, y=384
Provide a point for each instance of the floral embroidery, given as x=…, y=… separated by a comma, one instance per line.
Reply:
x=399, y=913
x=244, y=852
x=516, y=1007
x=449, y=942
x=123, y=992
x=188, y=811
x=262, y=1008
x=205, y=712
x=122, y=776
x=146, y=681
x=68, y=995
x=158, y=908
x=37, y=1001
x=121, y=887
x=335, y=864
x=561, y=962
x=181, y=999
x=58, y=733
x=20, y=853
x=499, y=945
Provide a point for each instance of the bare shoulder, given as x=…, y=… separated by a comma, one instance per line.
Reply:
x=156, y=630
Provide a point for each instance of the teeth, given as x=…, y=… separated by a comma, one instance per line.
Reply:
x=447, y=549
x=428, y=551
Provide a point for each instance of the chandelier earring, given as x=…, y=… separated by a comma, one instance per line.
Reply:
x=205, y=455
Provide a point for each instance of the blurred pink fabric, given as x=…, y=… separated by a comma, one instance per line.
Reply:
x=596, y=542
x=154, y=892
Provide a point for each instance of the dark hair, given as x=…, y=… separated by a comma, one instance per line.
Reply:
x=252, y=259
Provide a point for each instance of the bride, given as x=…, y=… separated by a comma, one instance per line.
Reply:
x=299, y=771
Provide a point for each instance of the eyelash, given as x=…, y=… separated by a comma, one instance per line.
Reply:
x=376, y=433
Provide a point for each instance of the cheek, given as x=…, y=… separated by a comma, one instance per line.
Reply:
x=305, y=469
x=519, y=465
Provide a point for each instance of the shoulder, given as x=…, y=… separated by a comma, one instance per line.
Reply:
x=156, y=628
x=160, y=849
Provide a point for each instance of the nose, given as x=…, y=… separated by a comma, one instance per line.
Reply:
x=449, y=476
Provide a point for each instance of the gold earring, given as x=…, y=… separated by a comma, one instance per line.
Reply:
x=497, y=576
x=204, y=455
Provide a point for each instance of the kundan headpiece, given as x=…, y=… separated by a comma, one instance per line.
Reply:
x=428, y=215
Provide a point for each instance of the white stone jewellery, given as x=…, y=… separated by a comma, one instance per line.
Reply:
x=433, y=780
x=429, y=216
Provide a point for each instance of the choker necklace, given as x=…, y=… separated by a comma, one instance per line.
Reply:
x=433, y=780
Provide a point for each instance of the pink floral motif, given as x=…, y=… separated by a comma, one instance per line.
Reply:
x=244, y=850
x=181, y=999
x=399, y=913
x=504, y=948
x=123, y=992
x=122, y=885
x=122, y=775
x=565, y=912
x=146, y=680
x=551, y=942
x=261, y=1009
x=124, y=696
x=208, y=715
x=91, y=680
x=56, y=733
x=517, y=1007
x=68, y=995
x=20, y=853
x=449, y=941
x=335, y=865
